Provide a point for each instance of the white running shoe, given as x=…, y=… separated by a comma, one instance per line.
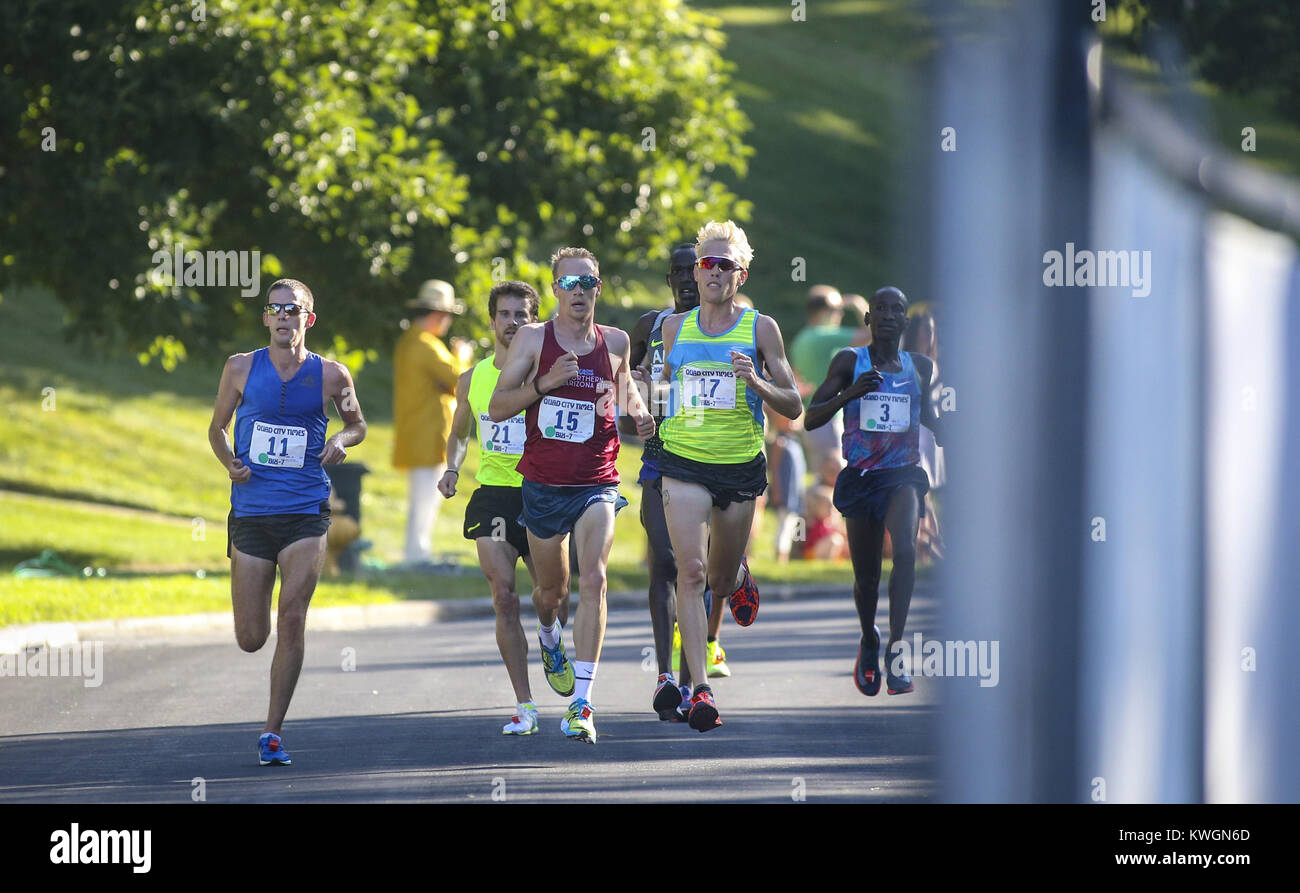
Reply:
x=524, y=722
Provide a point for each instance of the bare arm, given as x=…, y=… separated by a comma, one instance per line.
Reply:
x=929, y=412
x=229, y=394
x=639, y=344
x=839, y=389
x=780, y=393
x=340, y=389
x=515, y=391
x=625, y=389
x=457, y=437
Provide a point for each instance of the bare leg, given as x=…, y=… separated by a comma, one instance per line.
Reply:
x=300, y=566
x=498, y=560
x=252, y=581
x=689, y=508
x=594, y=534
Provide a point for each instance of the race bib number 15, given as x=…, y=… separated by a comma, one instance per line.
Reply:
x=278, y=446
x=570, y=420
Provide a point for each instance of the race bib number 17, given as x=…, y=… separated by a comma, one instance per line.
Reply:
x=885, y=413
x=709, y=388
x=278, y=446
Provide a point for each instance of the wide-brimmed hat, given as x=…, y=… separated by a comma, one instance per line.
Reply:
x=436, y=295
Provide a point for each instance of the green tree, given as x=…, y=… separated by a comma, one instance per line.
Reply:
x=361, y=147
x=1243, y=46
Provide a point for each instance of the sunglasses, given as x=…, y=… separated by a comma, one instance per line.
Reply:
x=725, y=264
x=291, y=309
x=568, y=282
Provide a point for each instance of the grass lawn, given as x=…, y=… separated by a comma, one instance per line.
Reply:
x=117, y=473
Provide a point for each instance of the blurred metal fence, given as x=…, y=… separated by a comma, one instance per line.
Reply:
x=1118, y=480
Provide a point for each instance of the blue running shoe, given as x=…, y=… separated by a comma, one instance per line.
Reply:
x=271, y=752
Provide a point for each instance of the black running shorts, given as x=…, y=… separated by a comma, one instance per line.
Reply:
x=493, y=511
x=265, y=536
x=726, y=483
x=864, y=494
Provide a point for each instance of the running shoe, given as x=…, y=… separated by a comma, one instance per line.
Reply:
x=677, y=649
x=559, y=670
x=271, y=752
x=896, y=683
x=866, y=672
x=744, y=601
x=716, y=659
x=704, y=713
x=683, y=711
x=579, y=721
x=522, y=723
x=668, y=697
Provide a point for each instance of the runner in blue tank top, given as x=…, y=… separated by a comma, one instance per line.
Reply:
x=279, y=493
x=885, y=395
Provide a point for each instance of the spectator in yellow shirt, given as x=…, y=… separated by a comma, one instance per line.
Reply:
x=424, y=398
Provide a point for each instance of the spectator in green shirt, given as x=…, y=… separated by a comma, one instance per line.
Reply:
x=810, y=355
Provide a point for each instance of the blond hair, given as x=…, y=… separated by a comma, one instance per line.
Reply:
x=566, y=253
x=728, y=232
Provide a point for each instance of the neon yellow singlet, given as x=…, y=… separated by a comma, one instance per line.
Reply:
x=500, y=443
x=714, y=418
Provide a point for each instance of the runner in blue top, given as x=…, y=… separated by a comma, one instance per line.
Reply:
x=279, y=493
x=885, y=395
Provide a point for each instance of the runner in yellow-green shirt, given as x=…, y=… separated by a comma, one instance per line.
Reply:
x=713, y=465
x=492, y=516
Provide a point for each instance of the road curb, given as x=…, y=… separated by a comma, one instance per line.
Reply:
x=16, y=639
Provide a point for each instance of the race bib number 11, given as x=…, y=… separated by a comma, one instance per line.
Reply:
x=885, y=413
x=278, y=446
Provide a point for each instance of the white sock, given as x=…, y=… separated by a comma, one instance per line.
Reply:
x=551, y=634
x=584, y=674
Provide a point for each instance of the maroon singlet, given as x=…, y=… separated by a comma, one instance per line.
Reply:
x=572, y=435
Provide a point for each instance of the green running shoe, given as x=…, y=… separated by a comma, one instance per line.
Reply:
x=579, y=721
x=559, y=670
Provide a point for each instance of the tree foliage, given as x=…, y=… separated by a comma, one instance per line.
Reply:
x=359, y=146
x=1244, y=46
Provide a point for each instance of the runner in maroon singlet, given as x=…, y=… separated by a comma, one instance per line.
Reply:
x=570, y=374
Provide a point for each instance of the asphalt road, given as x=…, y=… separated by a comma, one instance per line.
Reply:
x=419, y=719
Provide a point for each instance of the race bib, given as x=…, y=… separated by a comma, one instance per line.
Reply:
x=885, y=413
x=278, y=446
x=502, y=437
x=708, y=388
x=570, y=420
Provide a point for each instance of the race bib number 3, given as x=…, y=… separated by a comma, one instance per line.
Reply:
x=278, y=446
x=885, y=413
x=709, y=388
x=502, y=437
x=570, y=420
